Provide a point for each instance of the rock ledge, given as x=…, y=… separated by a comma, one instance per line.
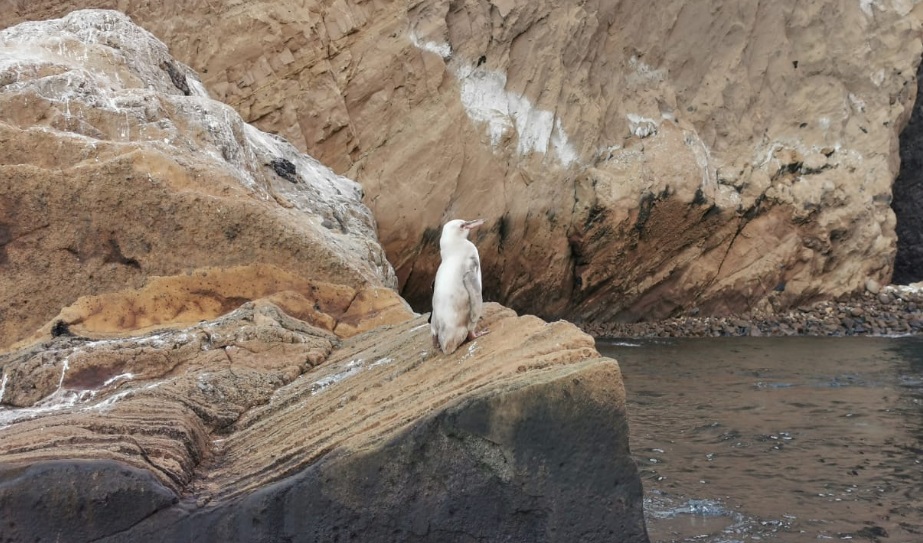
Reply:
x=257, y=425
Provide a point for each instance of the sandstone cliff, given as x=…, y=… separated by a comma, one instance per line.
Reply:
x=198, y=340
x=634, y=158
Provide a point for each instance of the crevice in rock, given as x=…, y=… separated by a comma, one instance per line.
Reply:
x=177, y=77
x=907, y=202
x=416, y=296
x=115, y=256
x=348, y=306
x=748, y=215
x=179, y=484
x=6, y=237
x=727, y=251
x=60, y=328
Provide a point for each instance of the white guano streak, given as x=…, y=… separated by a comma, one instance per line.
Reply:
x=484, y=96
x=485, y=99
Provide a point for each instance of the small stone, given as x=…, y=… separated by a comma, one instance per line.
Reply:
x=872, y=532
x=285, y=169
x=872, y=286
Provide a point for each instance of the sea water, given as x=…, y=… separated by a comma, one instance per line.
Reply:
x=777, y=439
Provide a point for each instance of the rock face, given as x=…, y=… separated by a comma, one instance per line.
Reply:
x=908, y=199
x=634, y=159
x=199, y=343
x=118, y=168
x=261, y=427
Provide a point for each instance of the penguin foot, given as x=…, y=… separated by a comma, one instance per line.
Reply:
x=474, y=335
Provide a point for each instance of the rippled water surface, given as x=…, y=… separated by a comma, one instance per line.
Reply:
x=777, y=439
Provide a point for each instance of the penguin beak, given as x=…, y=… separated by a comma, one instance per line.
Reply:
x=471, y=225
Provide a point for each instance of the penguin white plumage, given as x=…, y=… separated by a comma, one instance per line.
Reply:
x=457, y=300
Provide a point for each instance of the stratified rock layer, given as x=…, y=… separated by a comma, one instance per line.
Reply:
x=201, y=343
x=117, y=168
x=258, y=426
x=632, y=159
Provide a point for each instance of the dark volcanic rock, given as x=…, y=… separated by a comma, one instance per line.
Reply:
x=908, y=199
x=76, y=500
x=284, y=169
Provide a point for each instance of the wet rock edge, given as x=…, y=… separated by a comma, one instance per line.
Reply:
x=484, y=469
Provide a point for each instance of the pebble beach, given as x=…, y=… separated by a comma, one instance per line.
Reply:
x=892, y=310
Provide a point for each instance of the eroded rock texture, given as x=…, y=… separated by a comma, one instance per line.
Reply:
x=257, y=426
x=117, y=167
x=634, y=158
x=199, y=341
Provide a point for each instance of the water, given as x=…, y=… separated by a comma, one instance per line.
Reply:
x=777, y=439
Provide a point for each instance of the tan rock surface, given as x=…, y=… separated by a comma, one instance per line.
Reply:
x=209, y=293
x=117, y=169
x=221, y=410
x=634, y=158
x=201, y=343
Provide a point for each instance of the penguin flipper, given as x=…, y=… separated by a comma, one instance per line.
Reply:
x=472, y=281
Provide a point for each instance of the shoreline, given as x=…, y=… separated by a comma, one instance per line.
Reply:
x=893, y=310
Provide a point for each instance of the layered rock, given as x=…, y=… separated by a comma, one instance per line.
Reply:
x=259, y=426
x=634, y=159
x=117, y=168
x=201, y=343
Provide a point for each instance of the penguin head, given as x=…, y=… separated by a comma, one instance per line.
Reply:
x=458, y=229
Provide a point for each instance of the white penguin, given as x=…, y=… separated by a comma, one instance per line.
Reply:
x=457, y=292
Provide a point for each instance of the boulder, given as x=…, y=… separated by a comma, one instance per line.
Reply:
x=260, y=427
x=118, y=169
x=633, y=160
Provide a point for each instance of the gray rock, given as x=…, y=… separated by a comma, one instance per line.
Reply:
x=38, y=502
